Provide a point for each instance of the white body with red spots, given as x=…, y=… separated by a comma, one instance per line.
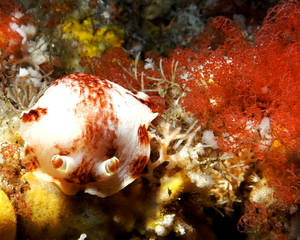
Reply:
x=88, y=134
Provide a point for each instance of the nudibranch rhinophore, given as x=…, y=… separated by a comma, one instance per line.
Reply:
x=88, y=134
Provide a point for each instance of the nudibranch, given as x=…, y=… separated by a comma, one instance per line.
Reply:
x=88, y=134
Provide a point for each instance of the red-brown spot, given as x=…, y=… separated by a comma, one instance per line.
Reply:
x=149, y=103
x=111, y=152
x=137, y=166
x=97, y=127
x=63, y=152
x=31, y=163
x=107, y=84
x=83, y=173
x=34, y=115
x=57, y=163
x=91, y=134
x=29, y=150
x=143, y=135
x=35, y=162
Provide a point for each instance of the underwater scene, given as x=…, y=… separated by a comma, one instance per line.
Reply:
x=149, y=119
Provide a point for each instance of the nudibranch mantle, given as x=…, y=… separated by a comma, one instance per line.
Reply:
x=88, y=134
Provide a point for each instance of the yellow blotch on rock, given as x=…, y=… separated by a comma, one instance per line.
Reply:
x=91, y=42
x=57, y=216
x=277, y=145
x=47, y=204
x=7, y=218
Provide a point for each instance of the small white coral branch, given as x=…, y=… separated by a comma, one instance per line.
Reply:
x=183, y=149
